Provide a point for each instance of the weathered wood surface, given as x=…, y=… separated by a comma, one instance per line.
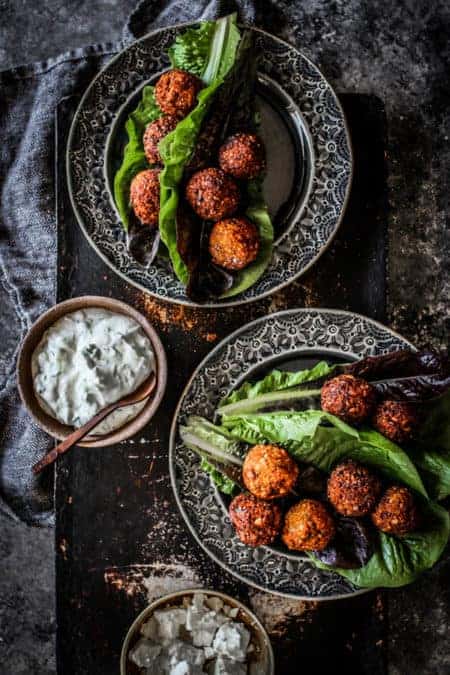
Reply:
x=120, y=540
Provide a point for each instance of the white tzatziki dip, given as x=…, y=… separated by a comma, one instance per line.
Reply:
x=87, y=360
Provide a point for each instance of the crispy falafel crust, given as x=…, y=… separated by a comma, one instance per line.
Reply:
x=269, y=472
x=352, y=489
x=348, y=397
x=234, y=243
x=397, y=420
x=154, y=133
x=212, y=194
x=176, y=92
x=144, y=196
x=257, y=522
x=396, y=512
x=243, y=156
x=308, y=526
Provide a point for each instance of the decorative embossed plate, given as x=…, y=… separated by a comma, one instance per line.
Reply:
x=308, y=148
x=293, y=338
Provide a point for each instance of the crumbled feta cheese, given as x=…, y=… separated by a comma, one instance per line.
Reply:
x=203, y=622
x=223, y=666
x=205, y=629
x=214, y=603
x=145, y=654
x=185, y=668
x=149, y=629
x=169, y=623
x=180, y=651
x=199, y=636
x=209, y=652
x=232, y=640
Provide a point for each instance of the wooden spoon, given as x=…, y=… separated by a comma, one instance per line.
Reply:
x=137, y=396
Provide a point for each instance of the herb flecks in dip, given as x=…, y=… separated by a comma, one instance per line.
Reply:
x=87, y=360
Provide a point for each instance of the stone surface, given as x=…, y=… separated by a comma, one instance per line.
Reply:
x=395, y=51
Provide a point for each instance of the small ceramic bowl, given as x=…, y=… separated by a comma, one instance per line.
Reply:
x=25, y=380
x=262, y=659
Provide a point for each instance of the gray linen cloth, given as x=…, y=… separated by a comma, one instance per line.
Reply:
x=28, y=247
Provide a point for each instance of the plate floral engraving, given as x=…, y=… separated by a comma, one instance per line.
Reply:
x=290, y=333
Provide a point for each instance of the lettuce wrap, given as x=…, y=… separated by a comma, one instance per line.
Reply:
x=225, y=60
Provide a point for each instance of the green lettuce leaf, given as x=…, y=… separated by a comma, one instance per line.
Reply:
x=431, y=451
x=134, y=157
x=398, y=561
x=303, y=435
x=258, y=213
x=223, y=483
x=434, y=467
x=191, y=48
x=177, y=147
x=274, y=382
x=220, y=454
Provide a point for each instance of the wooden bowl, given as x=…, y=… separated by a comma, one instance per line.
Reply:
x=25, y=380
x=262, y=660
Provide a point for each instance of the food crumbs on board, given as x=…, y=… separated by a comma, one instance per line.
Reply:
x=63, y=548
x=186, y=318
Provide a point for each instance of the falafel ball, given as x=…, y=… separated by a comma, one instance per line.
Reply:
x=308, y=526
x=144, y=196
x=243, y=156
x=212, y=194
x=257, y=522
x=176, y=92
x=234, y=243
x=348, y=397
x=269, y=472
x=353, y=489
x=397, y=420
x=155, y=132
x=396, y=512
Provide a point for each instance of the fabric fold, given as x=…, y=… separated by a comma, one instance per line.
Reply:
x=28, y=230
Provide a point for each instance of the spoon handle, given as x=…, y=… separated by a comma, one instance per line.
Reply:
x=74, y=437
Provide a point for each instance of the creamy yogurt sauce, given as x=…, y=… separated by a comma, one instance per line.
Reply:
x=87, y=360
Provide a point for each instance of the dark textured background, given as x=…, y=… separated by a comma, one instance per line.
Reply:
x=396, y=51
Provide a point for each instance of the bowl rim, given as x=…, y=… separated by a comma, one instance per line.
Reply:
x=29, y=343
x=164, y=599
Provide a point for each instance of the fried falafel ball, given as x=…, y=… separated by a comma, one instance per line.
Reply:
x=348, y=397
x=144, y=196
x=269, y=472
x=397, y=420
x=155, y=132
x=212, y=194
x=257, y=522
x=234, y=243
x=352, y=489
x=176, y=92
x=396, y=512
x=308, y=526
x=243, y=156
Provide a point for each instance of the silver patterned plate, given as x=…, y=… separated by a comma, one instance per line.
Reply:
x=309, y=160
x=285, y=339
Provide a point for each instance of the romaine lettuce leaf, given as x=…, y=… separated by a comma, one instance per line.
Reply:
x=398, y=561
x=134, y=157
x=304, y=436
x=191, y=48
x=251, y=393
x=177, y=147
x=258, y=213
x=431, y=451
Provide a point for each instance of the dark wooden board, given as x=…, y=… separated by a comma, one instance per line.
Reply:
x=119, y=537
